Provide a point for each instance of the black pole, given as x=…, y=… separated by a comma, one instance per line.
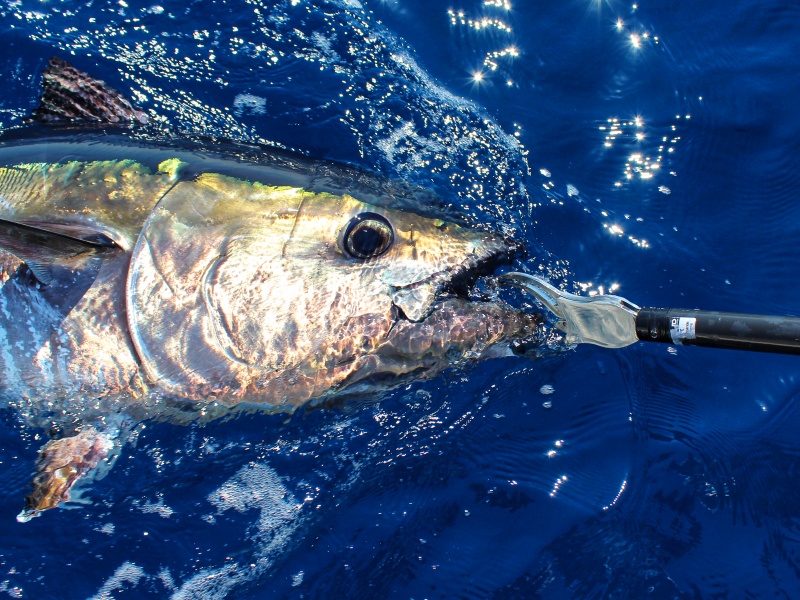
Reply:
x=719, y=330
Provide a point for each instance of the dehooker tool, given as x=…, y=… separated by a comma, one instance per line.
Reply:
x=614, y=322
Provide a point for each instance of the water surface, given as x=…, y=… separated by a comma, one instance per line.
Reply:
x=648, y=149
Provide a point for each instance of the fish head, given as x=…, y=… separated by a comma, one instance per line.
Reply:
x=280, y=296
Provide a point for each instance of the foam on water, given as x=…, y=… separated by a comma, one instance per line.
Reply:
x=254, y=487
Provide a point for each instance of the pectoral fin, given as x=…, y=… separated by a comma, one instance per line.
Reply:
x=45, y=246
x=62, y=462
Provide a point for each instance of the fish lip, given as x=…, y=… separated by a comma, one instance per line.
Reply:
x=458, y=281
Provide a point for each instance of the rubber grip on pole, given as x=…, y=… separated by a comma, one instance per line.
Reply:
x=719, y=330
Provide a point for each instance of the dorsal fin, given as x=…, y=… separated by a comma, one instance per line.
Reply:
x=42, y=249
x=70, y=96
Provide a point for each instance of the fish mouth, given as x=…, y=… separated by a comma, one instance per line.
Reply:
x=415, y=302
x=460, y=281
x=444, y=318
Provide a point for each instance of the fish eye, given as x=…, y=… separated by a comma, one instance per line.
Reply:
x=366, y=236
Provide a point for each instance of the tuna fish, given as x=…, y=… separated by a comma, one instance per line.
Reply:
x=154, y=279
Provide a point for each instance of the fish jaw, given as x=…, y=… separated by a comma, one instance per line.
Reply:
x=456, y=332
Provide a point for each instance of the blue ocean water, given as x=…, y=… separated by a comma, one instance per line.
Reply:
x=646, y=149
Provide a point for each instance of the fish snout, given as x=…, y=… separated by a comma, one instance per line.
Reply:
x=499, y=250
x=515, y=249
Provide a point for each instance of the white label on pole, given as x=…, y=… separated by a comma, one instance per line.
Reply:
x=682, y=328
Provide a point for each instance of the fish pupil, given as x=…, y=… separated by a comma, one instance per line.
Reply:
x=366, y=240
x=368, y=235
